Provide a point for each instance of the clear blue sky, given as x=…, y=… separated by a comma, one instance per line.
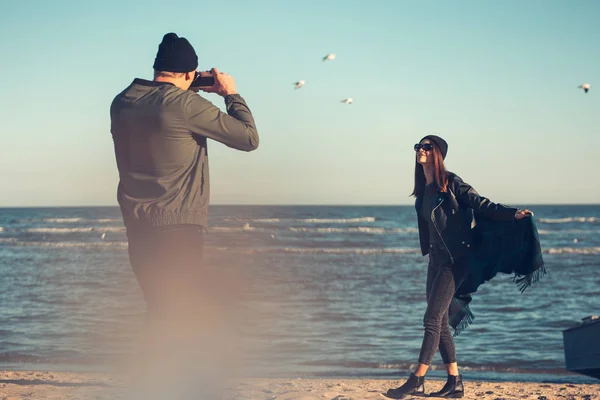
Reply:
x=497, y=79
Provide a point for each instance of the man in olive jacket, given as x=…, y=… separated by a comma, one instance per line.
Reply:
x=160, y=130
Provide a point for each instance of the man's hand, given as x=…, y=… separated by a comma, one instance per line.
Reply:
x=224, y=84
x=522, y=214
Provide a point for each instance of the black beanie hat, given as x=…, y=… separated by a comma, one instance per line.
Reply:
x=175, y=54
x=441, y=144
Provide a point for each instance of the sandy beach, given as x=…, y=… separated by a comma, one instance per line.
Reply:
x=63, y=385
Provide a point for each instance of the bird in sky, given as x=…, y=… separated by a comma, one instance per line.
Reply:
x=299, y=84
x=585, y=87
x=329, y=57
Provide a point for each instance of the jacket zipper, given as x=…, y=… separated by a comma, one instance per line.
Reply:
x=438, y=231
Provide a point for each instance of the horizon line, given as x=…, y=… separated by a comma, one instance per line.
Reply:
x=286, y=205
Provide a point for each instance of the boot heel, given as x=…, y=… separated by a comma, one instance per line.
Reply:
x=414, y=386
x=453, y=389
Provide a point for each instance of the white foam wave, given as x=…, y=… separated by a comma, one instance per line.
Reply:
x=260, y=220
x=569, y=231
x=569, y=219
x=74, y=220
x=359, y=229
x=93, y=245
x=304, y=220
x=123, y=245
x=336, y=220
x=75, y=230
x=62, y=220
x=245, y=228
x=352, y=250
x=304, y=250
x=225, y=229
x=572, y=250
x=390, y=250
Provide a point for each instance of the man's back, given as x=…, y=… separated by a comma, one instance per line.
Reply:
x=160, y=136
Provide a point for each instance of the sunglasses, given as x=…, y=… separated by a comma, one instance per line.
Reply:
x=425, y=146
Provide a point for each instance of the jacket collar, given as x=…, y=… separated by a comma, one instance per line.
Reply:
x=144, y=82
x=449, y=196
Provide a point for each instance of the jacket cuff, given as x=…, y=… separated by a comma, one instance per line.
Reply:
x=505, y=213
x=230, y=98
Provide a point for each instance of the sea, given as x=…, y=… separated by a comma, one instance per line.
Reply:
x=345, y=286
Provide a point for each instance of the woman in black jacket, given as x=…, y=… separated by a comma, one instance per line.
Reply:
x=445, y=208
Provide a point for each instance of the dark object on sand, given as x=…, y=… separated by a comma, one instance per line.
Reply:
x=582, y=347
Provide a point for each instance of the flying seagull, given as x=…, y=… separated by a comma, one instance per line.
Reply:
x=347, y=101
x=329, y=57
x=585, y=87
x=299, y=84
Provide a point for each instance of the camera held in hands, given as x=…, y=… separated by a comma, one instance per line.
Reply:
x=202, y=79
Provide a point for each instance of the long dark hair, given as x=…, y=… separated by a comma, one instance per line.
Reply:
x=439, y=171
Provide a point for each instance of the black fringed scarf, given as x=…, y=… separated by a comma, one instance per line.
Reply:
x=510, y=247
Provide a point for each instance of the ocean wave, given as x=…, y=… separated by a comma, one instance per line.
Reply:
x=569, y=220
x=301, y=250
x=259, y=220
x=336, y=220
x=351, y=250
x=306, y=220
x=75, y=230
x=296, y=250
x=62, y=220
x=569, y=231
x=409, y=366
x=572, y=250
x=405, y=366
x=244, y=228
x=359, y=229
x=90, y=245
x=307, y=250
x=74, y=220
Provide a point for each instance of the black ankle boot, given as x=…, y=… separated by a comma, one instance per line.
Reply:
x=453, y=388
x=415, y=385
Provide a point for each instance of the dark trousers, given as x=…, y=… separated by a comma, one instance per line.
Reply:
x=442, y=280
x=185, y=343
x=167, y=262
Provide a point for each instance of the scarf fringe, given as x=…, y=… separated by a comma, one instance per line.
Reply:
x=524, y=281
x=464, y=322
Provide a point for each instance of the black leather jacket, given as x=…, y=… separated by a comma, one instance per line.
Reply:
x=453, y=216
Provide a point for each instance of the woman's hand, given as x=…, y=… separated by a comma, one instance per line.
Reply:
x=520, y=214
